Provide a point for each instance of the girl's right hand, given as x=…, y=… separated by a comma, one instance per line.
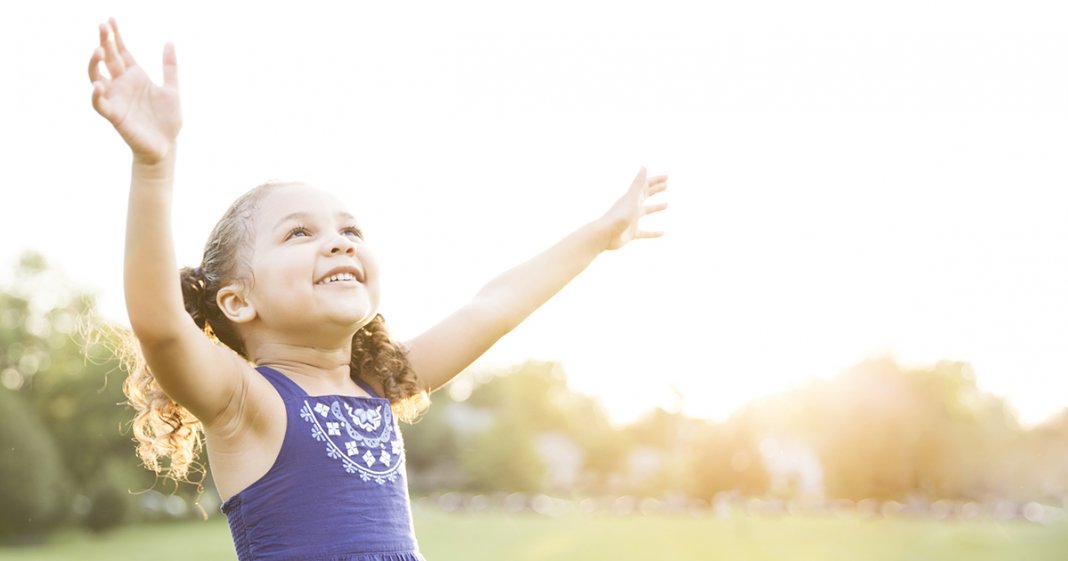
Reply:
x=147, y=116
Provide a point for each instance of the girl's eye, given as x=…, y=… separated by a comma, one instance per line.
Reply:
x=353, y=231
x=298, y=231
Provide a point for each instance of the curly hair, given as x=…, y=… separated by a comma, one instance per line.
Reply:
x=164, y=429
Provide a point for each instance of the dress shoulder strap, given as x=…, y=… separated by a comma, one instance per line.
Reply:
x=367, y=387
x=281, y=382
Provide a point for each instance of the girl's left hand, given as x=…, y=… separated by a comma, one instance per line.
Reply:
x=622, y=219
x=147, y=116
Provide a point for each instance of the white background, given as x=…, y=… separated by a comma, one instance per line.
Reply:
x=847, y=179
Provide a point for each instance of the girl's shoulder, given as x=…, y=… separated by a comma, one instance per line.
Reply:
x=244, y=442
x=252, y=408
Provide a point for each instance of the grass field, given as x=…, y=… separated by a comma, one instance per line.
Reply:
x=527, y=537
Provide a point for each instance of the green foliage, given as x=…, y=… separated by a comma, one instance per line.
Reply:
x=429, y=438
x=527, y=402
x=503, y=458
x=33, y=486
x=604, y=445
x=488, y=441
x=874, y=432
x=109, y=496
x=82, y=407
x=431, y=449
x=534, y=392
x=63, y=365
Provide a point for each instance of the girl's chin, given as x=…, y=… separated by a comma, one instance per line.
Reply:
x=353, y=320
x=353, y=307
x=334, y=329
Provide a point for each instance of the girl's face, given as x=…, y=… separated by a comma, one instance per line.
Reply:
x=312, y=272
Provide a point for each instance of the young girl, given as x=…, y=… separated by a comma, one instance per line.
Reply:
x=273, y=347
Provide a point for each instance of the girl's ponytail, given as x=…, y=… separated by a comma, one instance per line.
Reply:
x=375, y=356
x=199, y=287
x=193, y=287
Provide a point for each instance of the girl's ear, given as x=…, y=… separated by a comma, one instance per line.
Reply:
x=233, y=303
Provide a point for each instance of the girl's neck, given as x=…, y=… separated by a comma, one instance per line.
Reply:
x=317, y=370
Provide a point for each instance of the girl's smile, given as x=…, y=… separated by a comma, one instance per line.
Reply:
x=342, y=276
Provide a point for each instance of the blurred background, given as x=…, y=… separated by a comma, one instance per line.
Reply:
x=850, y=343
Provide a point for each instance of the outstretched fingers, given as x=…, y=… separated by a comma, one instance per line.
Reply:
x=656, y=185
x=127, y=57
x=646, y=210
x=112, y=58
x=170, y=65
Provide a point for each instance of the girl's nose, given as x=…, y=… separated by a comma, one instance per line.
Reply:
x=342, y=244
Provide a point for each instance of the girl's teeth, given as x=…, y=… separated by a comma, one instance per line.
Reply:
x=340, y=277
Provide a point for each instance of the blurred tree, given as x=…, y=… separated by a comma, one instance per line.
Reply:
x=670, y=437
x=431, y=449
x=493, y=437
x=604, y=446
x=33, y=486
x=868, y=438
x=522, y=401
x=885, y=433
x=109, y=495
x=535, y=392
x=873, y=431
x=504, y=459
x=1047, y=452
x=727, y=458
x=964, y=434
x=64, y=365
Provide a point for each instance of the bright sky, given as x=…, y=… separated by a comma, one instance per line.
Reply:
x=846, y=180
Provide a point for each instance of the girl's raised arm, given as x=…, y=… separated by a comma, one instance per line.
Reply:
x=193, y=371
x=444, y=350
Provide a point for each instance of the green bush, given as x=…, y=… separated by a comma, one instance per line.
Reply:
x=109, y=504
x=33, y=485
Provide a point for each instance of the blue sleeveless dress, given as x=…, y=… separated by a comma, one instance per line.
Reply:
x=338, y=490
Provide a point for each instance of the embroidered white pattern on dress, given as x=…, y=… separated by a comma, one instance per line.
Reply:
x=366, y=429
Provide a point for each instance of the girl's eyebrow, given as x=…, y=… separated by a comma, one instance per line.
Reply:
x=303, y=217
